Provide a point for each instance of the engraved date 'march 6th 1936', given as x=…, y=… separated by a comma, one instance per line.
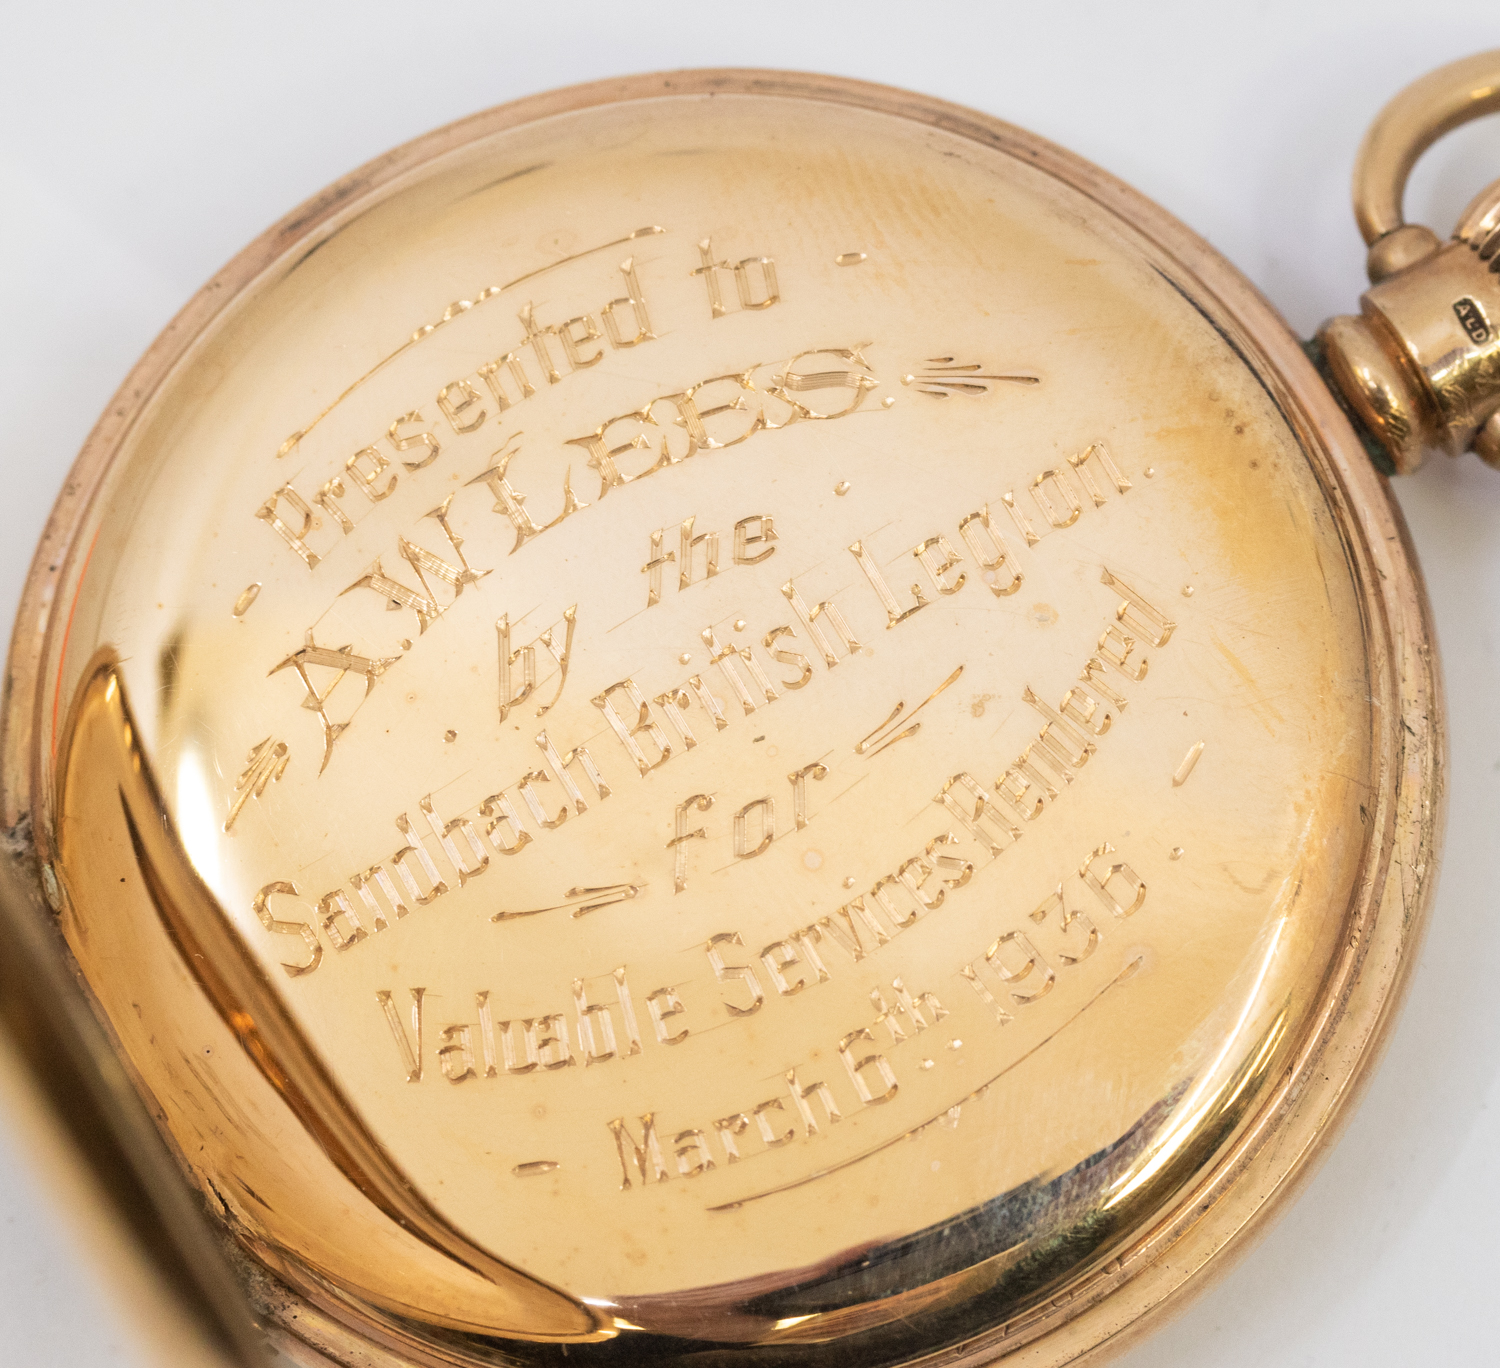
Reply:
x=1017, y=971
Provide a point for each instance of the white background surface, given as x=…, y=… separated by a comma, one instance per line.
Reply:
x=141, y=146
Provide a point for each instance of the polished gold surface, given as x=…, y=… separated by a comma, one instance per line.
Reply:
x=729, y=714
x=1420, y=365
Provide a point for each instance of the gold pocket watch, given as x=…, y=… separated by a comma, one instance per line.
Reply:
x=738, y=718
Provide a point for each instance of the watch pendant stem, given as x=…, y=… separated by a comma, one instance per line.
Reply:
x=1419, y=367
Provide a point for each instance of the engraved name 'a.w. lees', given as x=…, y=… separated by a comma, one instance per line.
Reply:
x=982, y=809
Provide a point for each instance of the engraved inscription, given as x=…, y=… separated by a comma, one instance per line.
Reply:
x=377, y=898
x=337, y=662
x=1035, y=781
x=1186, y=767
x=580, y=902
x=719, y=412
x=947, y=1117
x=752, y=538
x=892, y=904
x=683, y=424
x=596, y=1026
x=518, y=666
x=994, y=816
x=1058, y=501
x=243, y=602
x=1013, y=973
x=424, y=601
x=265, y=764
x=942, y=376
x=885, y=735
x=459, y=307
x=535, y=1168
x=755, y=284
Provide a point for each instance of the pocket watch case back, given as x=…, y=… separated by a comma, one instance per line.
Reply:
x=730, y=717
